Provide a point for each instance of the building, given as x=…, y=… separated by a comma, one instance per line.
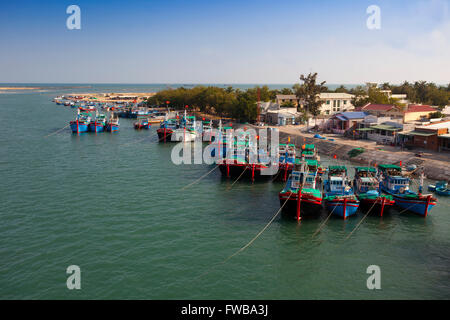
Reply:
x=383, y=110
x=434, y=136
x=275, y=114
x=335, y=102
x=416, y=112
x=345, y=121
x=283, y=98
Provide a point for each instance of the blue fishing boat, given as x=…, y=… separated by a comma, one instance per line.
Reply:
x=339, y=198
x=99, y=124
x=367, y=189
x=286, y=160
x=81, y=123
x=112, y=125
x=397, y=185
x=439, y=184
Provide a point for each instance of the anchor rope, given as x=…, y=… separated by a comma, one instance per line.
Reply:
x=249, y=243
x=359, y=223
x=190, y=184
x=56, y=131
x=321, y=226
x=237, y=179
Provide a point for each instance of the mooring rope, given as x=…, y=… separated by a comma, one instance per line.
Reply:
x=237, y=179
x=359, y=223
x=190, y=184
x=250, y=242
x=321, y=226
x=56, y=131
x=136, y=141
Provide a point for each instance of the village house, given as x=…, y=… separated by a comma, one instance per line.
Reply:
x=416, y=112
x=335, y=102
x=412, y=112
x=434, y=136
x=345, y=121
x=284, y=98
x=383, y=110
x=276, y=114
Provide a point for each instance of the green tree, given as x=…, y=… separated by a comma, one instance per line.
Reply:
x=308, y=92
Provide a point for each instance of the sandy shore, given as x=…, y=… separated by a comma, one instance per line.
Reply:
x=109, y=97
x=20, y=88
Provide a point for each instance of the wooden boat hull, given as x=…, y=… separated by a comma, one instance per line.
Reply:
x=78, y=127
x=421, y=204
x=442, y=192
x=310, y=206
x=376, y=205
x=99, y=127
x=112, y=127
x=253, y=172
x=341, y=208
x=138, y=126
x=164, y=134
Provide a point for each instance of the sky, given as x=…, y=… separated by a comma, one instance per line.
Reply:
x=233, y=41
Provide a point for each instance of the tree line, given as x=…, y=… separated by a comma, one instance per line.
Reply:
x=242, y=104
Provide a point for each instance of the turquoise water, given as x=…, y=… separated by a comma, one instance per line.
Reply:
x=113, y=205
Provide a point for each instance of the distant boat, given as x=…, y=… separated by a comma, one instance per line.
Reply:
x=367, y=189
x=396, y=185
x=339, y=198
x=142, y=123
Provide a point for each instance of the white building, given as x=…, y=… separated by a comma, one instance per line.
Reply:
x=335, y=102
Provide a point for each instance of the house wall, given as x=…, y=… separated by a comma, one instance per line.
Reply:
x=335, y=105
x=430, y=142
x=413, y=116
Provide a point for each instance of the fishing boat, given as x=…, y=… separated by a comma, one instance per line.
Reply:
x=301, y=196
x=367, y=189
x=286, y=160
x=439, y=184
x=244, y=160
x=81, y=123
x=112, y=125
x=309, y=151
x=98, y=125
x=166, y=128
x=339, y=198
x=443, y=191
x=220, y=141
x=397, y=185
x=142, y=123
x=187, y=131
x=207, y=130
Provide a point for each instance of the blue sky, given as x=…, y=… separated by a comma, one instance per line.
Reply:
x=224, y=41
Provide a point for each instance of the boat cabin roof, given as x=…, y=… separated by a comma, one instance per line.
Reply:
x=338, y=168
x=364, y=169
x=389, y=166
